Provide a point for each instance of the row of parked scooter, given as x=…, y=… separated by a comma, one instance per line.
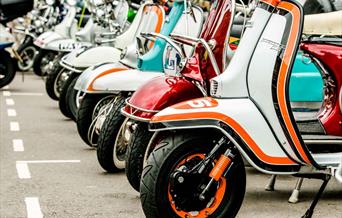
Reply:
x=183, y=99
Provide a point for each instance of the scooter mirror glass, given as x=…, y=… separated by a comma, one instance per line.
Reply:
x=171, y=61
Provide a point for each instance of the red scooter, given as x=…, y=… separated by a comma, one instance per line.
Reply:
x=209, y=60
x=326, y=53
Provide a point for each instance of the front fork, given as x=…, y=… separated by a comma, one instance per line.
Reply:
x=220, y=168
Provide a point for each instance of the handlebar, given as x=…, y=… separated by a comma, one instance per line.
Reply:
x=193, y=42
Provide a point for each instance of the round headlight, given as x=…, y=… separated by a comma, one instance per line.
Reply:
x=71, y=2
x=50, y=2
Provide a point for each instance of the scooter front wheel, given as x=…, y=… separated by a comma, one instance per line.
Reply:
x=63, y=97
x=7, y=71
x=111, y=149
x=169, y=188
x=55, y=80
x=27, y=52
x=135, y=154
x=89, y=109
x=42, y=61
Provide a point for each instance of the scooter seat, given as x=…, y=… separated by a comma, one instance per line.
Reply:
x=323, y=24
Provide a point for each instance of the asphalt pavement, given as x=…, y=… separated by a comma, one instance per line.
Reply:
x=47, y=171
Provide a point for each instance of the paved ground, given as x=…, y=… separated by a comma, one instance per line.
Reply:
x=51, y=172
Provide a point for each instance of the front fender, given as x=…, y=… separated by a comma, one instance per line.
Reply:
x=91, y=56
x=159, y=93
x=85, y=80
x=239, y=120
x=122, y=80
x=46, y=38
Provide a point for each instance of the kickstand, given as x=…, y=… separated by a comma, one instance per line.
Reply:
x=271, y=183
x=310, y=211
x=22, y=76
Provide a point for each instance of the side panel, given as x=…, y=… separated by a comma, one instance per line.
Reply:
x=260, y=75
x=91, y=73
x=125, y=80
x=281, y=78
x=235, y=74
x=93, y=56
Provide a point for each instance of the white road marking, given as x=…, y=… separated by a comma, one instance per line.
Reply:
x=28, y=93
x=23, y=170
x=5, y=87
x=51, y=161
x=9, y=101
x=18, y=145
x=11, y=113
x=33, y=207
x=14, y=126
x=6, y=93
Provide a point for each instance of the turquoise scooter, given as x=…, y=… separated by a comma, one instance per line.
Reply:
x=183, y=19
x=306, y=83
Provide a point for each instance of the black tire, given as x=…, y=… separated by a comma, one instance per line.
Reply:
x=72, y=98
x=107, y=138
x=155, y=180
x=135, y=154
x=7, y=68
x=27, y=45
x=37, y=63
x=87, y=112
x=52, y=81
x=63, y=101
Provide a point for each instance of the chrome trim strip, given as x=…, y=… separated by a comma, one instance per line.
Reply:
x=134, y=117
x=139, y=108
x=65, y=65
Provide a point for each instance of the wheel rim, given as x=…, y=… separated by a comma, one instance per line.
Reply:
x=79, y=97
x=27, y=56
x=59, y=81
x=102, y=107
x=211, y=205
x=47, y=62
x=120, y=146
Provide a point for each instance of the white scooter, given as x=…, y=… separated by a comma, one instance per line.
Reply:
x=150, y=17
x=64, y=30
x=104, y=20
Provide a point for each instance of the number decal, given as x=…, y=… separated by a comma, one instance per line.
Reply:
x=199, y=103
x=206, y=102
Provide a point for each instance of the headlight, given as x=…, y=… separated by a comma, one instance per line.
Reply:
x=37, y=23
x=50, y=2
x=100, y=13
x=71, y=2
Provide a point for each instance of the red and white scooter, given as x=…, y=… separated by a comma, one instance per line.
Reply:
x=196, y=168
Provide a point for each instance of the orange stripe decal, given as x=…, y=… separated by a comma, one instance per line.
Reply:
x=113, y=70
x=160, y=15
x=235, y=126
x=273, y=3
x=284, y=69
